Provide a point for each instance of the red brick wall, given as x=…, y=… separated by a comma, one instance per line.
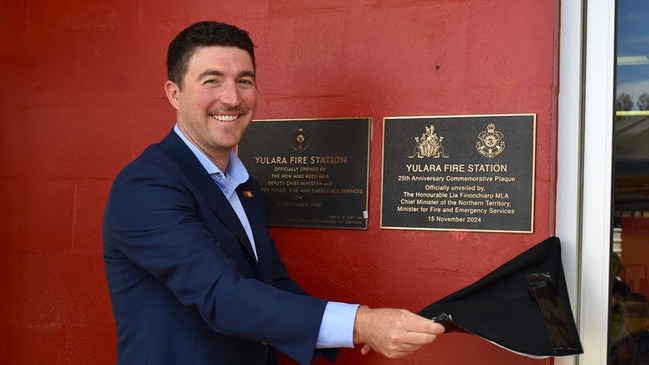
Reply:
x=81, y=94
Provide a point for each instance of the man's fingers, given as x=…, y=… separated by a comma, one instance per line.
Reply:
x=418, y=339
x=425, y=326
x=366, y=349
x=393, y=332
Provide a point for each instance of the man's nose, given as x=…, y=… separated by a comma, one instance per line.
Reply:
x=230, y=94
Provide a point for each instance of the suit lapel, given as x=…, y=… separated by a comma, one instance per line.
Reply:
x=185, y=159
x=249, y=194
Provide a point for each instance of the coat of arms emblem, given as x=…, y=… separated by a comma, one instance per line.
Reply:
x=429, y=145
x=300, y=141
x=491, y=143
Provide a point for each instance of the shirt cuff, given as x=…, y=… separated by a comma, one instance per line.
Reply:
x=337, y=327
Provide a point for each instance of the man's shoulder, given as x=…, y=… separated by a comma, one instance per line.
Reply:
x=156, y=154
x=151, y=156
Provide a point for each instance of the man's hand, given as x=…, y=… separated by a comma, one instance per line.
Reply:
x=393, y=332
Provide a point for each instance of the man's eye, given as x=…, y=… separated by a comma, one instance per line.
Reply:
x=247, y=82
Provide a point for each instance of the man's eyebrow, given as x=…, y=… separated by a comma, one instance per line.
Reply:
x=218, y=73
x=247, y=74
x=207, y=73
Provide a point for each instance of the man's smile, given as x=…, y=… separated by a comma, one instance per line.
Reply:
x=225, y=118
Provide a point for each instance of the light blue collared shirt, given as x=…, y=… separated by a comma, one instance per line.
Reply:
x=337, y=326
x=235, y=175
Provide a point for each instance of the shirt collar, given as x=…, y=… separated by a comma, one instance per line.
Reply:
x=235, y=170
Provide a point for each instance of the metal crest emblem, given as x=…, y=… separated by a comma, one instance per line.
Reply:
x=491, y=142
x=429, y=145
x=300, y=141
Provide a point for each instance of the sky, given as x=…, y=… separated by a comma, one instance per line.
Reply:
x=632, y=40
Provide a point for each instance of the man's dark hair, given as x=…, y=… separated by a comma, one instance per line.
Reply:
x=204, y=34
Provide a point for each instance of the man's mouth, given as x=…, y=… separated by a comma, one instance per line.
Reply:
x=224, y=118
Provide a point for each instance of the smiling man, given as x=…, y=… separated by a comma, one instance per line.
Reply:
x=193, y=274
x=216, y=100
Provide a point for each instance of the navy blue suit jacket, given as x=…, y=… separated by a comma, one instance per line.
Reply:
x=184, y=284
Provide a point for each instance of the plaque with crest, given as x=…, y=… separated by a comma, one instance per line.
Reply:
x=313, y=172
x=470, y=173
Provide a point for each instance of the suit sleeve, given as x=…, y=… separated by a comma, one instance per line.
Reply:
x=153, y=219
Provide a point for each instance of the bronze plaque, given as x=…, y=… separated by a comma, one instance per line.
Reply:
x=313, y=172
x=468, y=173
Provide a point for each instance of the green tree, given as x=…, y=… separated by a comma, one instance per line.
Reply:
x=623, y=102
x=643, y=102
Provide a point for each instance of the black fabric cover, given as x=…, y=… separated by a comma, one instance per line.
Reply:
x=522, y=306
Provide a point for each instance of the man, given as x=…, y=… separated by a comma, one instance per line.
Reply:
x=632, y=343
x=193, y=274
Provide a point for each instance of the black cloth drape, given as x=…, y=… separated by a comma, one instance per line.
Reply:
x=522, y=305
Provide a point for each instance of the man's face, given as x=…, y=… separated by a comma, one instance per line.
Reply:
x=218, y=98
x=635, y=314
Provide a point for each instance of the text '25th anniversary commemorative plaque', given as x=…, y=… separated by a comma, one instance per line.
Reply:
x=313, y=172
x=470, y=173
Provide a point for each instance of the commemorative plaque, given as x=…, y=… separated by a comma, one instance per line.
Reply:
x=313, y=172
x=469, y=173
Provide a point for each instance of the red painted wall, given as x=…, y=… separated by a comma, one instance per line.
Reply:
x=81, y=94
x=635, y=253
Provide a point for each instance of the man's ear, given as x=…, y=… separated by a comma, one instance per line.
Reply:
x=172, y=90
